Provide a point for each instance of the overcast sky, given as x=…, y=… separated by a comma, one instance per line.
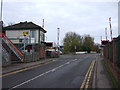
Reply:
x=79, y=16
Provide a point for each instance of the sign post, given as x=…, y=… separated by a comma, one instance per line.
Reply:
x=25, y=34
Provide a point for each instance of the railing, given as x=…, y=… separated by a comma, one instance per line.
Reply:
x=23, y=47
x=5, y=55
x=12, y=47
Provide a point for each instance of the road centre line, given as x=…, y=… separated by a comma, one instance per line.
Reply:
x=52, y=70
x=30, y=80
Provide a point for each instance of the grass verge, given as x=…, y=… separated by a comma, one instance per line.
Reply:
x=110, y=75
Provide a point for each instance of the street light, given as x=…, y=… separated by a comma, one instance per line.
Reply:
x=1, y=10
x=1, y=22
x=58, y=39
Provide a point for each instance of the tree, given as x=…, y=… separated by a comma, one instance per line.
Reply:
x=96, y=48
x=72, y=42
x=88, y=43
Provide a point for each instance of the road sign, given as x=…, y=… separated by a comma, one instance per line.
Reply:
x=25, y=33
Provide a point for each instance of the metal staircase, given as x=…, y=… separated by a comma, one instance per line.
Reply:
x=12, y=47
x=5, y=55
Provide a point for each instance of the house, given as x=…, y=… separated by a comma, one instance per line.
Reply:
x=35, y=33
x=29, y=38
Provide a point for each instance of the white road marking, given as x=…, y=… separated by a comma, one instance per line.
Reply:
x=74, y=60
x=68, y=63
x=52, y=70
x=57, y=68
x=30, y=80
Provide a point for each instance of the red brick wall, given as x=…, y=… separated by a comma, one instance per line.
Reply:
x=42, y=52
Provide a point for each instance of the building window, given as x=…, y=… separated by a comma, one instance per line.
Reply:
x=32, y=34
x=20, y=40
x=42, y=36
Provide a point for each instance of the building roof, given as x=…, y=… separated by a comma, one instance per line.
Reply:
x=23, y=26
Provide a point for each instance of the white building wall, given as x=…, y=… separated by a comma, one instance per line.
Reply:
x=37, y=32
x=19, y=34
x=42, y=36
x=15, y=33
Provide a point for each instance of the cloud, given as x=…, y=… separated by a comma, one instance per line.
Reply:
x=81, y=17
x=44, y=1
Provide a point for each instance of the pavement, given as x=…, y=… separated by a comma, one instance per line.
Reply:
x=100, y=80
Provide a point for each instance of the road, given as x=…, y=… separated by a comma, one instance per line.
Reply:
x=68, y=71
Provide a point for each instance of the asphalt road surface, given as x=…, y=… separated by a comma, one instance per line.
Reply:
x=68, y=71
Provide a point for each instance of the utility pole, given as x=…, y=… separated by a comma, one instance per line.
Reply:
x=101, y=39
x=1, y=22
x=43, y=28
x=46, y=38
x=58, y=37
x=110, y=27
x=43, y=24
x=1, y=10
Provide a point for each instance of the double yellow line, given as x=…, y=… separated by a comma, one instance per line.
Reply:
x=86, y=81
x=21, y=70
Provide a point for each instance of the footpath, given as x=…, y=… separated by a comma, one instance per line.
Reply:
x=101, y=79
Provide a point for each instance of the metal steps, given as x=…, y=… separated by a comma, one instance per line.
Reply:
x=12, y=47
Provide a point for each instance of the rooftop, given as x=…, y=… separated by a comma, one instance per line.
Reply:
x=23, y=26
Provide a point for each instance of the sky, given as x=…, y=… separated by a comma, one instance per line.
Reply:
x=80, y=16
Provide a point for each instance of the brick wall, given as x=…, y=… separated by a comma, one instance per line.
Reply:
x=42, y=52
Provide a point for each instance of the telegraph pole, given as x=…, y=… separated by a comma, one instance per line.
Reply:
x=58, y=37
x=1, y=22
x=43, y=24
x=101, y=39
x=1, y=10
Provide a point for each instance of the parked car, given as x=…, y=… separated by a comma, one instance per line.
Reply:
x=61, y=53
x=52, y=53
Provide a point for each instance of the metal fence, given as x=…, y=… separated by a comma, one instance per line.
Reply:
x=31, y=56
x=37, y=53
x=5, y=57
x=112, y=51
x=118, y=51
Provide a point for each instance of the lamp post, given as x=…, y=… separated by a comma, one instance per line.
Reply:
x=58, y=39
x=1, y=22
